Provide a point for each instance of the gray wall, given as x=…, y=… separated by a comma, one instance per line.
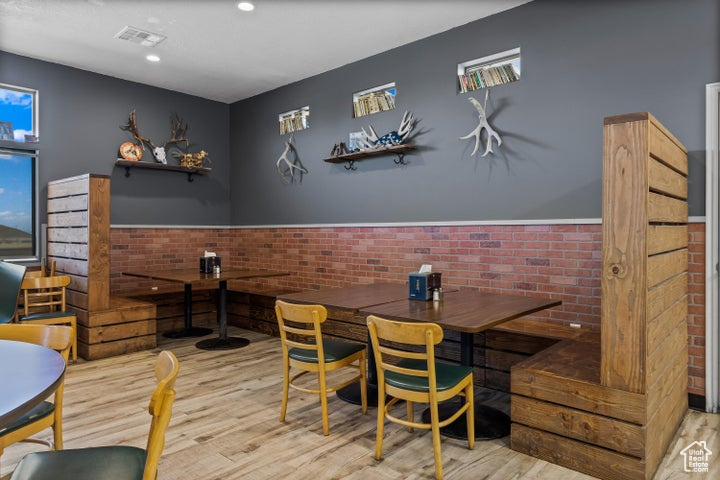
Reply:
x=80, y=114
x=581, y=61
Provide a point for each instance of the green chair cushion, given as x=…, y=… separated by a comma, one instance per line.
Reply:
x=97, y=463
x=40, y=411
x=447, y=376
x=333, y=349
x=46, y=315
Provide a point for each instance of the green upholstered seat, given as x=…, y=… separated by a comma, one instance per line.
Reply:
x=97, y=463
x=333, y=350
x=46, y=315
x=42, y=410
x=11, y=277
x=446, y=376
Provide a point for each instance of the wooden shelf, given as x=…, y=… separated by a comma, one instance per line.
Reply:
x=351, y=158
x=190, y=171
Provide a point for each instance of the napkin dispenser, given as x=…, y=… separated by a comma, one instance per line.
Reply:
x=421, y=285
x=207, y=264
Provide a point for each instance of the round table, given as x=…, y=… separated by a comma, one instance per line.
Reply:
x=29, y=374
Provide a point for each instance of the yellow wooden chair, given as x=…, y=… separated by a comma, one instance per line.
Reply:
x=44, y=303
x=414, y=376
x=304, y=349
x=113, y=462
x=47, y=414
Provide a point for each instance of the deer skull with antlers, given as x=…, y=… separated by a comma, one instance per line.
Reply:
x=178, y=132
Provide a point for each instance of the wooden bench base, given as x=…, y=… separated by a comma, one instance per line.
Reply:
x=561, y=413
x=126, y=326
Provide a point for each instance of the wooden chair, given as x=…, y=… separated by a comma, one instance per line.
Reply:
x=112, y=462
x=44, y=303
x=305, y=349
x=11, y=277
x=47, y=414
x=414, y=376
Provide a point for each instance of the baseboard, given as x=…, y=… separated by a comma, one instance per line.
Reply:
x=696, y=402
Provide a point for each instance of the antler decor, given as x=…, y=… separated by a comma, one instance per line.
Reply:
x=131, y=126
x=483, y=125
x=288, y=173
x=178, y=134
x=370, y=141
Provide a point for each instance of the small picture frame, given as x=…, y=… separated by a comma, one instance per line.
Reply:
x=353, y=138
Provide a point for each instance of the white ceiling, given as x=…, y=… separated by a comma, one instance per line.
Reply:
x=215, y=51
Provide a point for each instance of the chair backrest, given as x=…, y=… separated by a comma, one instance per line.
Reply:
x=300, y=326
x=166, y=370
x=11, y=276
x=411, y=335
x=44, y=294
x=57, y=337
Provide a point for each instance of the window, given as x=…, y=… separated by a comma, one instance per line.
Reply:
x=18, y=205
x=18, y=114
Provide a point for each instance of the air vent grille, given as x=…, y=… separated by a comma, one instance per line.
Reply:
x=139, y=36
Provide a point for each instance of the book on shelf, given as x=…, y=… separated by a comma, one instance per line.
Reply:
x=294, y=121
x=373, y=102
x=476, y=78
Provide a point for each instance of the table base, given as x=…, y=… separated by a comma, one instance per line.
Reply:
x=188, y=332
x=228, y=343
x=490, y=423
x=351, y=394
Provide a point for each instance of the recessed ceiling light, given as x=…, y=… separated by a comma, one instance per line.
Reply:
x=152, y=58
x=246, y=6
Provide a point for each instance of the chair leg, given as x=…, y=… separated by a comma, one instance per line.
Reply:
x=73, y=324
x=57, y=435
x=363, y=382
x=286, y=388
x=324, y=402
x=380, y=421
x=435, y=421
x=410, y=413
x=470, y=415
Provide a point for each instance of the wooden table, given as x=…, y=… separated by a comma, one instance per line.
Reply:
x=468, y=313
x=347, y=301
x=188, y=277
x=29, y=374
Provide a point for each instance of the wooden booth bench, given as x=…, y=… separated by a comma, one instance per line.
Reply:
x=609, y=405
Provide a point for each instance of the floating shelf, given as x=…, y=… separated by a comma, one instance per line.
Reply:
x=351, y=158
x=190, y=171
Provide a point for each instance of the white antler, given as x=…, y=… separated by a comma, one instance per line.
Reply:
x=290, y=165
x=406, y=125
x=483, y=125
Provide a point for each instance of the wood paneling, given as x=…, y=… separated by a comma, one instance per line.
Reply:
x=583, y=457
x=623, y=437
x=644, y=349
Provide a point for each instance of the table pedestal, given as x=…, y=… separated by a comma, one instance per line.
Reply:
x=188, y=330
x=490, y=422
x=223, y=342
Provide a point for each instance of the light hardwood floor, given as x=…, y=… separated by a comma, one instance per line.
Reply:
x=225, y=425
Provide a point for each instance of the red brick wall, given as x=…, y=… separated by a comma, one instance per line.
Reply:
x=561, y=261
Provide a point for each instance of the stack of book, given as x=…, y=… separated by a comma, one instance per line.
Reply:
x=487, y=76
x=294, y=121
x=373, y=102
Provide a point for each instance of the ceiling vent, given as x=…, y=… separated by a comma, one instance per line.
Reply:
x=142, y=37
